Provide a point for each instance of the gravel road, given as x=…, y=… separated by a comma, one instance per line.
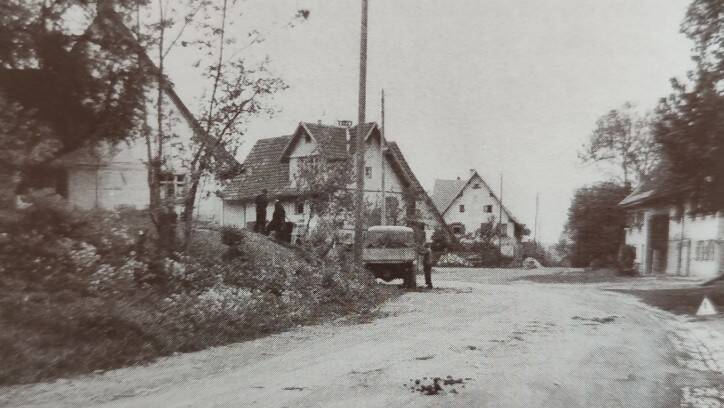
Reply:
x=492, y=342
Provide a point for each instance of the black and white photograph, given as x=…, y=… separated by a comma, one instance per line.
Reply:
x=362, y=203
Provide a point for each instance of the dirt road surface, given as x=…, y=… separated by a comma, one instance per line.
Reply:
x=492, y=341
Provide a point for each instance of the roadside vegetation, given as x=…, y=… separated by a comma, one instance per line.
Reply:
x=86, y=290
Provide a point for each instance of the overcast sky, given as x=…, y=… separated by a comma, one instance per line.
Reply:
x=501, y=86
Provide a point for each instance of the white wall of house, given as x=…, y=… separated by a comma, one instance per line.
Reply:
x=123, y=181
x=702, y=230
x=635, y=235
x=373, y=175
x=694, y=242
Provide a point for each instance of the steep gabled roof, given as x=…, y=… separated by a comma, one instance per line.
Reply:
x=334, y=142
x=450, y=190
x=446, y=191
x=399, y=158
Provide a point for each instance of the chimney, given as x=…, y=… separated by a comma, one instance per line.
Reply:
x=319, y=122
x=348, y=137
x=472, y=172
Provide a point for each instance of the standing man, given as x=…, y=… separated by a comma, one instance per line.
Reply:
x=278, y=218
x=427, y=265
x=261, y=202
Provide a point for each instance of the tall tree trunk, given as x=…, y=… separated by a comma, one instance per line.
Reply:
x=189, y=205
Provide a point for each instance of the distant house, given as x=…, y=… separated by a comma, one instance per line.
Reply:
x=671, y=233
x=109, y=175
x=272, y=165
x=471, y=208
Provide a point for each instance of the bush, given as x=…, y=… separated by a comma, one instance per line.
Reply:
x=231, y=236
x=85, y=290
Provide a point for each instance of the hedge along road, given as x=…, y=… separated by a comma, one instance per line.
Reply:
x=492, y=342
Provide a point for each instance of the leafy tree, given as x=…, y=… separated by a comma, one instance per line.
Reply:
x=691, y=119
x=236, y=91
x=596, y=223
x=36, y=145
x=61, y=90
x=623, y=137
x=325, y=186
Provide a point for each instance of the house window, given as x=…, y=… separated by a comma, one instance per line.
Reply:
x=476, y=186
x=488, y=208
x=172, y=185
x=457, y=228
x=462, y=208
x=299, y=208
x=368, y=172
x=503, y=229
x=307, y=138
x=705, y=250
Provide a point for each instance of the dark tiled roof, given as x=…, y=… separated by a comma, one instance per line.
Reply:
x=263, y=169
x=660, y=183
x=366, y=129
x=332, y=139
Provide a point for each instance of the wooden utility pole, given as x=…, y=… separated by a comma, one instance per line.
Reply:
x=535, y=225
x=383, y=149
x=360, y=144
x=500, y=221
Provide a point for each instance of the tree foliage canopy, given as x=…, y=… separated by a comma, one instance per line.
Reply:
x=61, y=86
x=596, y=223
x=623, y=137
x=691, y=119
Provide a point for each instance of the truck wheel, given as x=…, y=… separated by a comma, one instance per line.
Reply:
x=410, y=278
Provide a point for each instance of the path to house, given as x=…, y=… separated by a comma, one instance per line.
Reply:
x=494, y=341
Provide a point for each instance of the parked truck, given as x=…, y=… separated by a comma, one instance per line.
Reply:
x=390, y=253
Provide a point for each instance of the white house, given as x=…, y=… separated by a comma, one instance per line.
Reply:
x=106, y=175
x=670, y=233
x=470, y=205
x=273, y=163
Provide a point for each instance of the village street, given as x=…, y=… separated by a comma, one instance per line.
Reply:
x=503, y=343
